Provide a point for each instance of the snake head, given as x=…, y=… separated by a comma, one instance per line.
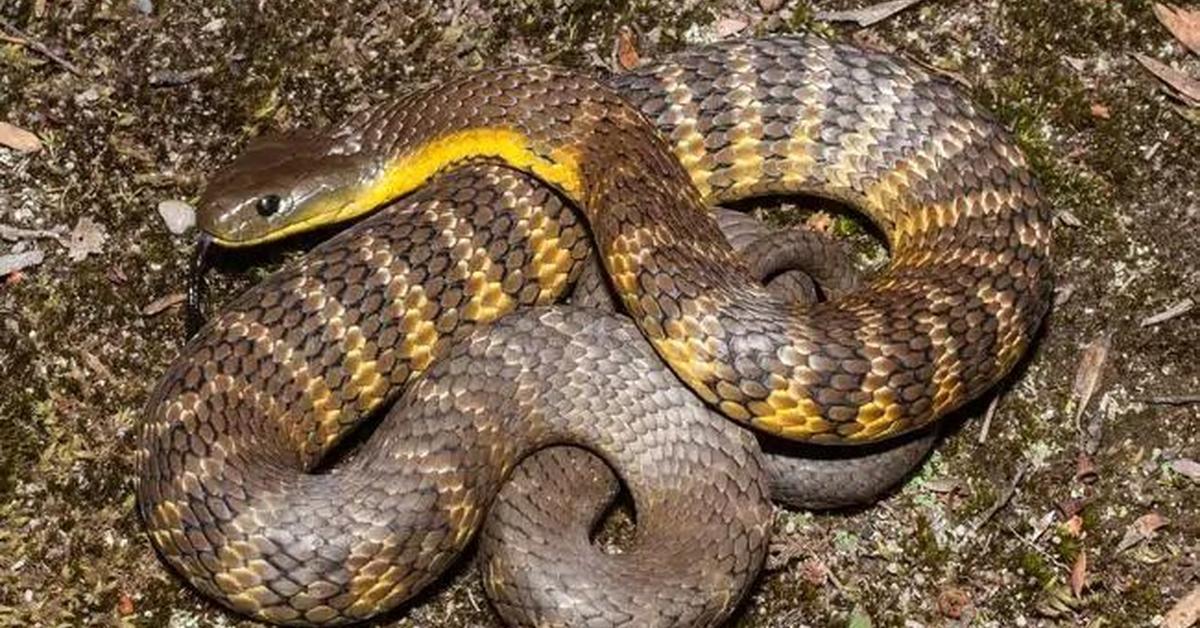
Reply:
x=281, y=185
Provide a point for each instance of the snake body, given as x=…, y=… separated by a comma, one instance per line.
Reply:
x=269, y=387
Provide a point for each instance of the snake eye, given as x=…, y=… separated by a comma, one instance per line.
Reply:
x=268, y=205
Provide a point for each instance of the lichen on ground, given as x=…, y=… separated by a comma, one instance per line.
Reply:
x=78, y=353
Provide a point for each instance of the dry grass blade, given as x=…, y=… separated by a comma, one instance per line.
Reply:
x=1186, y=87
x=1184, y=24
x=1087, y=376
x=866, y=16
x=1079, y=574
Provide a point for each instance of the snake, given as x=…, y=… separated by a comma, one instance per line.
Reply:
x=505, y=177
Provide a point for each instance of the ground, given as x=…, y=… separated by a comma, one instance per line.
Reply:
x=988, y=532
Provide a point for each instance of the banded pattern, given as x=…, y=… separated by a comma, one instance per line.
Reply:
x=268, y=388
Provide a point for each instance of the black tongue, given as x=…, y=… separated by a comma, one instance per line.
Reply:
x=197, y=291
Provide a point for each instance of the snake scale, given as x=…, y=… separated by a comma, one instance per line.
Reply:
x=231, y=483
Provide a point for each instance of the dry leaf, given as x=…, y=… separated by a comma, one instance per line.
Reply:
x=866, y=16
x=162, y=303
x=19, y=139
x=1185, y=86
x=1187, y=468
x=1143, y=529
x=1085, y=469
x=1074, y=526
x=125, y=605
x=1183, y=23
x=814, y=572
x=1079, y=574
x=1087, y=376
x=626, y=50
x=730, y=26
x=820, y=221
x=1185, y=613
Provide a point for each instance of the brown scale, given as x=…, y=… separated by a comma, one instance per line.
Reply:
x=294, y=364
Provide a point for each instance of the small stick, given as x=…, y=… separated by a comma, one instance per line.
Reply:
x=8, y=232
x=19, y=37
x=1179, y=309
x=987, y=419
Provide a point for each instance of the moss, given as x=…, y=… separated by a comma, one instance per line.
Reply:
x=928, y=551
x=1035, y=566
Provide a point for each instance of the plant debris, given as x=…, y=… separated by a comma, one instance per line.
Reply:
x=19, y=139
x=1184, y=24
x=17, y=36
x=625, y=50
x=1187, y=467
x=162, y=304
x=1143, y=528
x=87, y=238
x=1179, y=309
x=1185, y=613
x=1079, y=574
x=866, y=16
x=15, y=262
x=1087, y=374
x=1184, y=87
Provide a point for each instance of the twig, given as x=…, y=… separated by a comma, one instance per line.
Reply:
x=1033, y=546
x=11, y=233
x=1179, y=309
x=1172, y=400
x=987, y=419
x=1005, y=497
x=19, y=37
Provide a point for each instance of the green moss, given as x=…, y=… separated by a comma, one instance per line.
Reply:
x=929, y=551
x=1035, y=566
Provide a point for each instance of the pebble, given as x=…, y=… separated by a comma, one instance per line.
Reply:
x=178, y=216
x=145, y=7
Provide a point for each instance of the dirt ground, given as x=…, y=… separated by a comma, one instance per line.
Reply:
x=1035, y=517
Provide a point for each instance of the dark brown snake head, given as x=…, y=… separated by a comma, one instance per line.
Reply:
x=282, y=185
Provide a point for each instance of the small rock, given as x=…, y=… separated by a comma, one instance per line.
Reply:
x=770, y=6
x=145, y=7
x=87, y=97
x=178, y=216
x=730, y=26
x=214, y=26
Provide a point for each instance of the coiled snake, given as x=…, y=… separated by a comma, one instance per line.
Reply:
x=237, y=425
